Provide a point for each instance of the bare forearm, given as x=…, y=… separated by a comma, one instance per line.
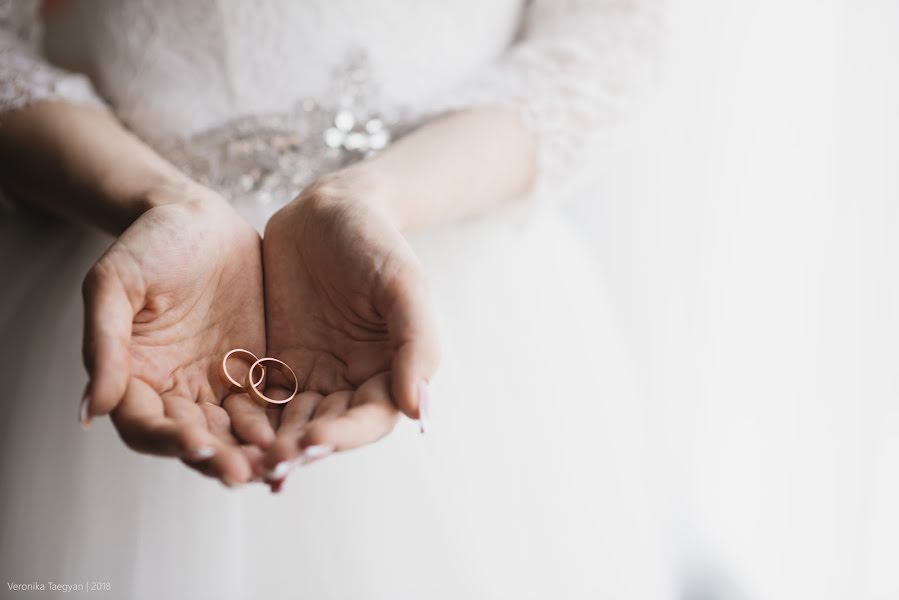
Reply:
x=80, y=163
x=460, y=165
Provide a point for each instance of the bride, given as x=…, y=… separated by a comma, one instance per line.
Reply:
x=362, y=140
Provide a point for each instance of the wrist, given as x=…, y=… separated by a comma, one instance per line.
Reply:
x=131, y=193
x=168, y=191
x=197, y=208
x=180, y=191
x=357, y=184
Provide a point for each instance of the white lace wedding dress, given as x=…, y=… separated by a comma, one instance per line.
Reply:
x=531, y=482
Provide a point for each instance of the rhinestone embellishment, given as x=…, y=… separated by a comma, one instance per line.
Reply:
x=347, y=135
x=270, y=158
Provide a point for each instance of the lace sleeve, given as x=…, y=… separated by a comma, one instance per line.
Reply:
x=575, y=68
x=25, y=77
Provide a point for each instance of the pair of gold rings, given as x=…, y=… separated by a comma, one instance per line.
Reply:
x=252, y=383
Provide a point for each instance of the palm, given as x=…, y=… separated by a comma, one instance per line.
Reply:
x=323, y=315
x=191, y=277
x=333, y=281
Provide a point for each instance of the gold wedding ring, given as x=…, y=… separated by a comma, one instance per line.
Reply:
x=252, y=388
x=234, y=385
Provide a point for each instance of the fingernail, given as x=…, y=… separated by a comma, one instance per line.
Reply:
x=279, y=471
x=83, y=417
x=316, y=452
x=424, y=407
x=198, y=454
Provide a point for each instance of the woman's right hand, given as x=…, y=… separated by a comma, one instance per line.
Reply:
x=178, y=289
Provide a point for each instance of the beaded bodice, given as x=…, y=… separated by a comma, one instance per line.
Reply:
x=255, y=98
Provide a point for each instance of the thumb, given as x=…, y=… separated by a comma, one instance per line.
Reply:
x=412, y=325
x=108, y=315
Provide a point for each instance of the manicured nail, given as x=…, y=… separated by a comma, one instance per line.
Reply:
x=200, y=454
x=317, y=452
x=83, y=417
x=424, y=407
x=279, y=471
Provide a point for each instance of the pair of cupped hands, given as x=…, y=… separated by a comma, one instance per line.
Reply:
x=333, y=289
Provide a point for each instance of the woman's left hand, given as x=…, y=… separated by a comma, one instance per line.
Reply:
x=348, y=308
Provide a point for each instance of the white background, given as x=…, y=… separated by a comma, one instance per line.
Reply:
x=748, y=234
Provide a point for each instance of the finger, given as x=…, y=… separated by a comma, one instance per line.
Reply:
x=370, y=416
x=333, y=405
x=228, y=468
x=214, y=420
x=256, y=459
x=143, y=425
x=296, y=416
x=299, y=411
x=249, y=420
x=232, y=465
x=219, y=423
x=108, y=314
x=290, y=448
x=416, y=354
x=182, y=410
